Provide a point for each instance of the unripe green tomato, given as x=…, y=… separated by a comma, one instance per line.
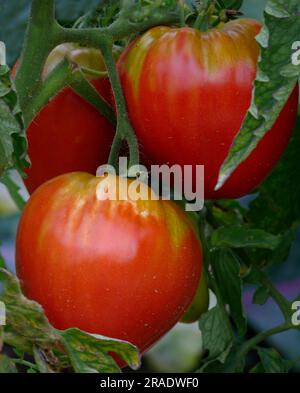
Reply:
x=199, y=304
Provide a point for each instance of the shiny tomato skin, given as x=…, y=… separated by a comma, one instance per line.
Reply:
x=69, y=134
x=187, y=94
x=123, y=269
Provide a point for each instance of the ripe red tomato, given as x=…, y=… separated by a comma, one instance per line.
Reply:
x=69, y=134
x=125, y=269
x=187, y=94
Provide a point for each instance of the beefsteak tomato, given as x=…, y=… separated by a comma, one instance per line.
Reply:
x=126, y=269
x=187, y=94
x=69, y=134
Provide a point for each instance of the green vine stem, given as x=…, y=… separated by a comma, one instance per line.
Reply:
x=254, y=341
x=124, y=130
x=208, y=266
x=182, y=13
x=40, y=39
x=26, y=364
x=283, y=304
x=203, y=19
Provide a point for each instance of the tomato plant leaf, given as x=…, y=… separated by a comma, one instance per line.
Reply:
x=226, y=213
x=217, y=335
x=234, y=362
x=29, y=331
x=13, y=144
x=271, y=361
x=25, y=318
x=90, y=353
x=239, y=236
x=258, y=369
x=261, y=296
x=229, y=4
x=41, y=361
x=8, y=124
x=226, y=268
x=275, y=80
x=277, y=208
x=7, y=365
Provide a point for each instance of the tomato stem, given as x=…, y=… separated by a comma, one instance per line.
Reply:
x=203, y=20
x=182, y=13
x=39, y=41
x=124, y=130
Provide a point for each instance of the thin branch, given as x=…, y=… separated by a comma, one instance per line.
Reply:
x=124, y=130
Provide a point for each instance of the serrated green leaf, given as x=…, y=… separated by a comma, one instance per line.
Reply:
x=4, y=89
x=277, y=207
x=8, y=127
x=25, y=317
x=233, y=363
x=261, y=295
x=13, y=144
x=7, y=365
x=281, y=30
x=229, y=4
x=226, y=213
x=271, y=360
x=258, y=369
x=90, y=353
x=226, y=269
x=265, y=258
x=242, y=236
x=29, y=331
x=41, y=361
x=217, y=335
